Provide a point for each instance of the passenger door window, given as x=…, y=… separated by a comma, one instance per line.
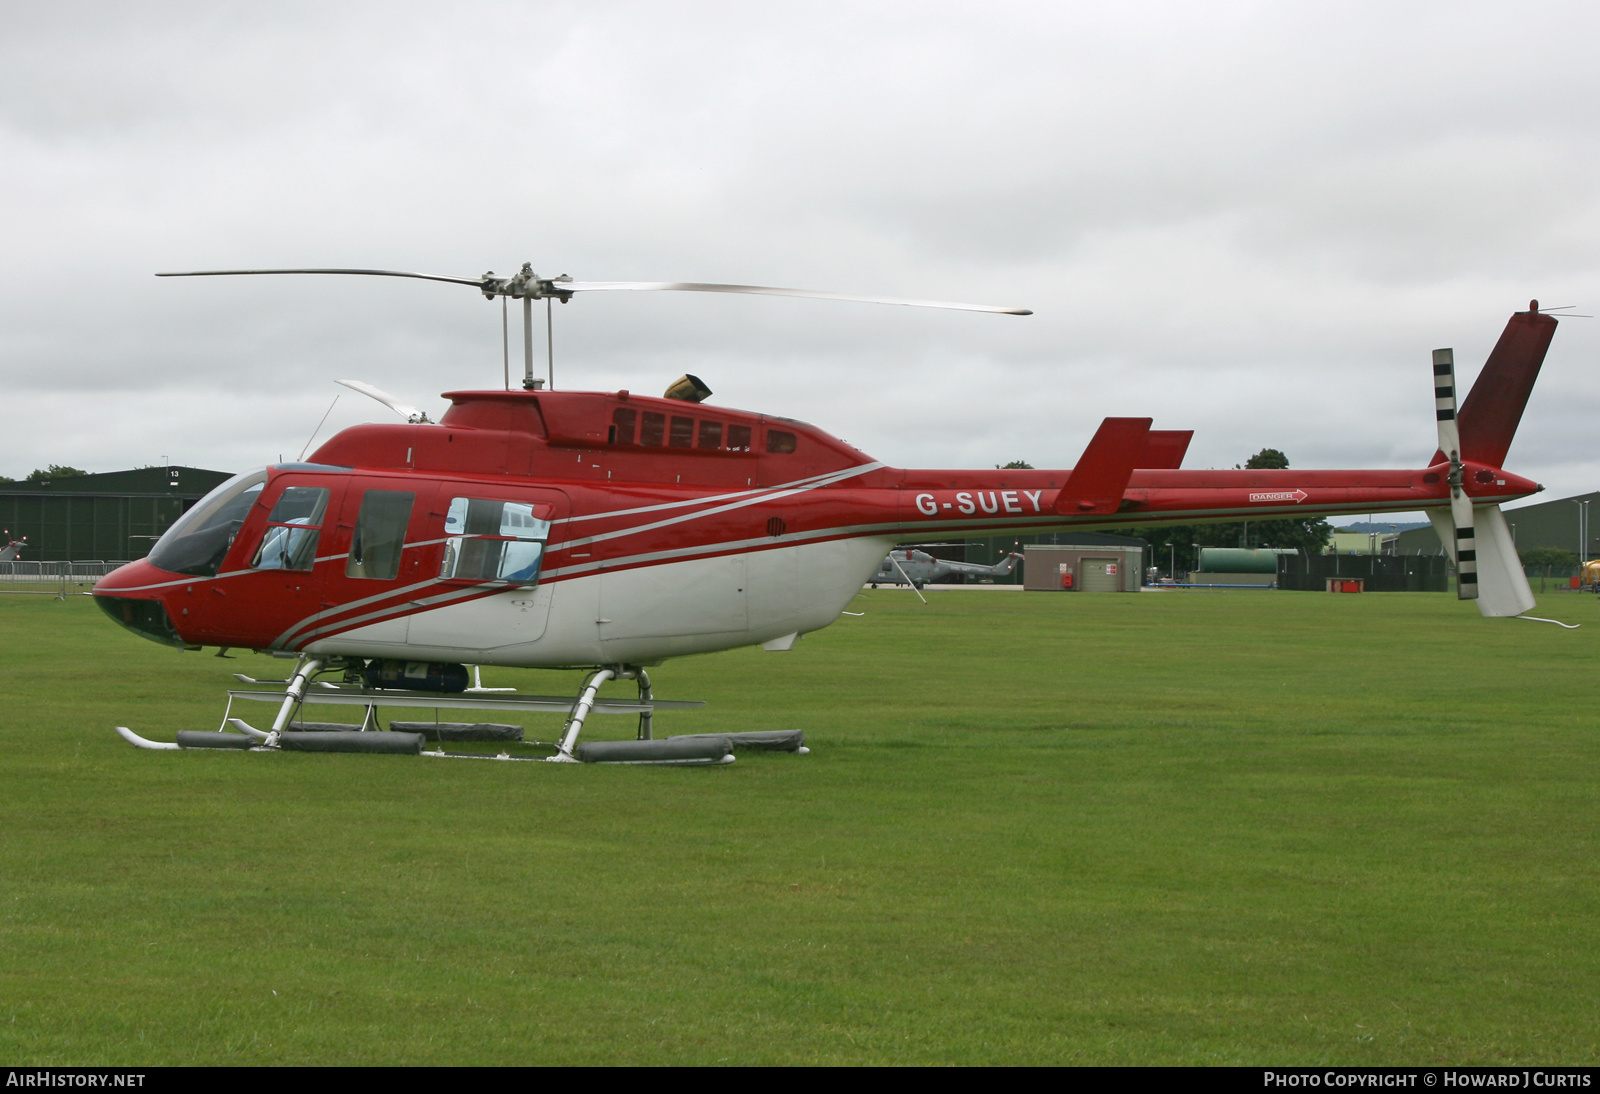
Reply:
x=380, y=534
x=494, y=540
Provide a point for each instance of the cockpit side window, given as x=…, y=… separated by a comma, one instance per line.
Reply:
x=200, y=539
x=494, y=541
x=293, y=528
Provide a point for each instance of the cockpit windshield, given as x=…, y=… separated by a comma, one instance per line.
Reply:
x=200, y=539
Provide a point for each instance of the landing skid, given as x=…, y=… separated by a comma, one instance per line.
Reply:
x=699, y=749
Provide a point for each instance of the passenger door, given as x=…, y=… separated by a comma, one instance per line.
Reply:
x=486, y=539
x=374, y=567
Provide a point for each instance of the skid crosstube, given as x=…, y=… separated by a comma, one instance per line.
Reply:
x=432, y=700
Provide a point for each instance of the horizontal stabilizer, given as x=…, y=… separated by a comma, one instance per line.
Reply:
x=1102, y=474
x=1164, y=449
x=1489, y=415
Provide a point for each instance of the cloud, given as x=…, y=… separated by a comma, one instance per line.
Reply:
x=1252, y=220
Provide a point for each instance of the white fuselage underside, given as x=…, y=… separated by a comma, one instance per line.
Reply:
x=636, y=616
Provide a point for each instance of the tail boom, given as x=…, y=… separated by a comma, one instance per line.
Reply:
x=969, y=503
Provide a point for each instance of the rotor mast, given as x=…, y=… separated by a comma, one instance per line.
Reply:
x=528, y=286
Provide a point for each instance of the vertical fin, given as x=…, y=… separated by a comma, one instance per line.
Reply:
x=1103, y=471
x=1489, y=415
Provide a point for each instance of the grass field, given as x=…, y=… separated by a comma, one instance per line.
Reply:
x=1179, y=828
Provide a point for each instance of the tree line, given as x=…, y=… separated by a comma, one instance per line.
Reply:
x=45, y=474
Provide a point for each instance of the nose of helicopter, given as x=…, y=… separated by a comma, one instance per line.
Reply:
x=132, y=596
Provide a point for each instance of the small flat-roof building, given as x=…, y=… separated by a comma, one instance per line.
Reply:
x=987, y=552
x=114, y=516
x=1098, y=567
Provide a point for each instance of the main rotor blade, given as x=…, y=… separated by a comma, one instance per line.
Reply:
x=541, y=287
x=475, y=282
x=564, y=287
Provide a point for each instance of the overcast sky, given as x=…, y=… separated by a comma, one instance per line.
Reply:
x=1253, y=220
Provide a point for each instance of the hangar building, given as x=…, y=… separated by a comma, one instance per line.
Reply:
x=113, y=517
x=1545, y=524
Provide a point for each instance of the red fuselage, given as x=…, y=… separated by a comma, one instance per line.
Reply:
x=657, y=528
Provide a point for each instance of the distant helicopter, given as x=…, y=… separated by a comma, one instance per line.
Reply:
x=919, y=568
x=611, y=531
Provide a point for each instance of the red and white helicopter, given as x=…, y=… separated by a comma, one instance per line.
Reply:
x=612, y=531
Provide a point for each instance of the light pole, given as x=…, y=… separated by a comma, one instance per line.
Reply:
x=1583, y=532
x=1196, y=547
x=1172, y=561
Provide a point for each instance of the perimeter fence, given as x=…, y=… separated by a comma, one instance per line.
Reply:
x=57, y=579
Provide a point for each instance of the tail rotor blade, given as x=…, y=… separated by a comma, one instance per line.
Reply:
x=1444, y=403
x=1466, y=544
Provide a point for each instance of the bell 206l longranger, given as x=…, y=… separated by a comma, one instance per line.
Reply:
x=612, y=531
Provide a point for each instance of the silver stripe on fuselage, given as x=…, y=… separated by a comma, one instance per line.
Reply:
x=410, y=607
x=859, y=469
x=744, y=503
x=325, y=613
x=896, y=527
